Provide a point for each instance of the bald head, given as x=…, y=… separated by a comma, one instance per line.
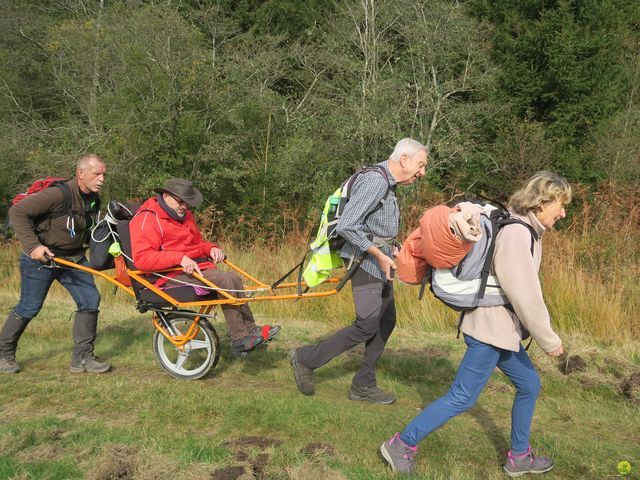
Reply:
x=86, y=160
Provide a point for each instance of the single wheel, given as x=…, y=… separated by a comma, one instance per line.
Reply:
x=198, y=357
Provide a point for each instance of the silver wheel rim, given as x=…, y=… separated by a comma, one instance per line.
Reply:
x=178, y=361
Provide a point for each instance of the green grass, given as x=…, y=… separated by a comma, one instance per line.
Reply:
x=136, y=422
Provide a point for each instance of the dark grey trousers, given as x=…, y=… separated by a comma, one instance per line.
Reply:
x=375, y=320
x=85, y=327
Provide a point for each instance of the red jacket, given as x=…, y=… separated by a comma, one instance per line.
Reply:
x=158, y=241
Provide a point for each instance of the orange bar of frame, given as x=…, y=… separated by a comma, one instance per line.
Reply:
x=109, y=278
x=245, y=274
x=205, y=306
x=229, y=299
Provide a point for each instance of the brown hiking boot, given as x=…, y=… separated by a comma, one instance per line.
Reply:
x=302, y=375
x=89, y=364
x=9, y=365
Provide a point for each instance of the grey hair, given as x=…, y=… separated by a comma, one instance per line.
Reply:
x=407, y=146
x=84, y=161
x=541, y=189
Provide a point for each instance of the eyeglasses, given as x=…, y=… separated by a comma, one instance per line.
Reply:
x=179, y=201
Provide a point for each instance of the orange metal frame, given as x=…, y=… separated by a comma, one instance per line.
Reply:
x=262, y=292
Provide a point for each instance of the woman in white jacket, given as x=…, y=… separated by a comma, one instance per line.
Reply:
x=493, y=334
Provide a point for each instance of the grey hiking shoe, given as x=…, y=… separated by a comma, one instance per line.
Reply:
x=516, y=466
x=246, y=343
x=89, y=364
x=400, y=457
x=302, y=374
x=9, y=365
x=371, y=394
x=269, y=330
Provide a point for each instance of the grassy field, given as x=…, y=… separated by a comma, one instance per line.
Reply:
x=247, y=420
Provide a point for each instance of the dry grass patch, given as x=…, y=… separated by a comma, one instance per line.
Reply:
x=115, y=462
x=313, y=470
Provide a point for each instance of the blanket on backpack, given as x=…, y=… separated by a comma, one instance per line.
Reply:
x=445, y=235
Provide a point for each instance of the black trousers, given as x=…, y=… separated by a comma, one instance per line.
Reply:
x=375, y=320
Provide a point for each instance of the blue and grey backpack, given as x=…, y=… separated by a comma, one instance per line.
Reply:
x=470, y=284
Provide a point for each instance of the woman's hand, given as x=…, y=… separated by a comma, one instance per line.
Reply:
x=557, y=352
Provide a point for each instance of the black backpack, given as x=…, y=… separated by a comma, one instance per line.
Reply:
x=104, y=240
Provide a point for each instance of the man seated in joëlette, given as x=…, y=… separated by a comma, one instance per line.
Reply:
x=164, y=235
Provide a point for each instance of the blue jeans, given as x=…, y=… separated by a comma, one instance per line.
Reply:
x=36, y=280
x=473, y=374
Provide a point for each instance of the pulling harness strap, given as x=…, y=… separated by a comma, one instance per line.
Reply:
x=383, y=241
x=426, y=278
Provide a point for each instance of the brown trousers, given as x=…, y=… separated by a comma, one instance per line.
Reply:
x=240, y=321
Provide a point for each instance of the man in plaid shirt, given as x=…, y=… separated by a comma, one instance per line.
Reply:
x=369, y=224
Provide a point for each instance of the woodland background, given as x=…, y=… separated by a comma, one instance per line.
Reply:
x=269, y=104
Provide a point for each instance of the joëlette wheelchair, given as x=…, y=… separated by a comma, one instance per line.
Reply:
x=185, y=342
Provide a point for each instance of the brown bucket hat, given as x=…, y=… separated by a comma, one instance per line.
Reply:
x=183, y=189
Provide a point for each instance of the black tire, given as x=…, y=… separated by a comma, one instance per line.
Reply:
x=200, y=355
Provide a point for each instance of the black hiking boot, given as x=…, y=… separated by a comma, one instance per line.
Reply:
x=266, y=331
x=371, y=394
x=247, y=343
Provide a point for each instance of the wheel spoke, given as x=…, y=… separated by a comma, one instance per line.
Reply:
x=182, y=357
x=199, y=344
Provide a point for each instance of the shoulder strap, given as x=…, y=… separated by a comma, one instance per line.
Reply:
x=495, y=217
x=371, y=168
x=67, y=202
x=500, y=219
x=425, y=279
x=348, y=183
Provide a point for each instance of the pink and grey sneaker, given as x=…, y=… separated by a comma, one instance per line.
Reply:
x=517, y=465
x=400, y=456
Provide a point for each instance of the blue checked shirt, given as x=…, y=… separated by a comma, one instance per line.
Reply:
x=367, y=192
